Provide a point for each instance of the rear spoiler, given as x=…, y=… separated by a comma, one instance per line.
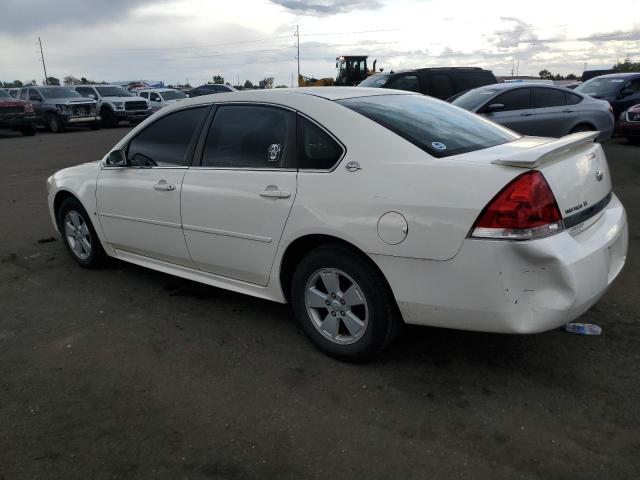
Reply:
x=534, y=156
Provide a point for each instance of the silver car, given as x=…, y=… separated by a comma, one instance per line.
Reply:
x=540, y=110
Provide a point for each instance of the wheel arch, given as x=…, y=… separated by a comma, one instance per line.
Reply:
x=301, y=246
x=585, y=123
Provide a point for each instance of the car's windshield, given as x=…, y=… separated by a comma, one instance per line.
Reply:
x=474, y=98
x=432, y=125
x=112, y=92
x=4, y=94
x=173, y=95
x=58, y=92
x=600, y=87
x=376, y=81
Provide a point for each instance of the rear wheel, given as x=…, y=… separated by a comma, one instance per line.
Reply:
x=583, y=127
x=343, y=304
x=54, y=123
x=28, y=131
x=79, y=236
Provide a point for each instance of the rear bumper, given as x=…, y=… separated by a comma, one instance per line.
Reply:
x=512, y=287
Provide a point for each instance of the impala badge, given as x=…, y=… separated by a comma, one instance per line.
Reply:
x=353, y=166
x=599, y=175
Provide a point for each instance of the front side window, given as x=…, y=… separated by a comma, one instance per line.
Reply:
x=601, y=86
x=144, y=95
x=34, y=96
x=23, y=94
x=434, y=126
x=173, y=95
x=378, y=80
x=547, y=97
x=58, y=92
x=4, y=94
x=316, y=149
x=248, y=136
x=113, y=92
x=405, y=82
x=166, y=141
x=154, y=97
x=85, y=91
x=517, y=99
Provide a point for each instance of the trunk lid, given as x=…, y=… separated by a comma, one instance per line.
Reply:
x=574, y=166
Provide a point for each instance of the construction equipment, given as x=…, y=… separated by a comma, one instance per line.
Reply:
x=352, y=69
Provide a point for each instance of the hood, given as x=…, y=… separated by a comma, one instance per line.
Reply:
x=124, y=99
x=634, y=109
x=11, y=102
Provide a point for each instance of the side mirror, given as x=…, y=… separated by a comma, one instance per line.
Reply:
x=625, y=92
x=494, y=107
x=117, y=158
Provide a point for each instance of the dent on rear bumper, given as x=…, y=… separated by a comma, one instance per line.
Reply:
x=512, y=287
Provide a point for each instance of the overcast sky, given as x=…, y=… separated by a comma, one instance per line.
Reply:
x=251, y=39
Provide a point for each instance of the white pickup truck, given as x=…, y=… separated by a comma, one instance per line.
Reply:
x=116, y=104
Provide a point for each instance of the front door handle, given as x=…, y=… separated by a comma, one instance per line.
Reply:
x=526, y=114
x=272, y=192
x=163, y=185
x=567, y=111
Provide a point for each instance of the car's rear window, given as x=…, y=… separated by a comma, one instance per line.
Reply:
x=432, y=125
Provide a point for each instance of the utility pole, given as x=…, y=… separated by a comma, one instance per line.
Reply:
x=518, y=68
x=298, y=56
x=44, y=67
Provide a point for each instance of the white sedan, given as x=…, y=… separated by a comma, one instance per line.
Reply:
x=364, y=208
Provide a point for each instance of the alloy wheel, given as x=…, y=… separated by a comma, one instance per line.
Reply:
x=77, y=233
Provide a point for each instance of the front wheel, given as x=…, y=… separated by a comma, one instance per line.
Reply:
x=344, y=304
x=79, y=236
x=28, y=131
x=109, y=120
x=54, y=123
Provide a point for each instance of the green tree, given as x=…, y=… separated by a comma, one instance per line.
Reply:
x=71, y=80
x=248, y=84
x=546, y=74
x=53, y=81
x=571, y=76
x=218, y=79
x=627, y=66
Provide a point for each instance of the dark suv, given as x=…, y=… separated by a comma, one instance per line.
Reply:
x=621, y=90
x=441, y=83
x=209, y=89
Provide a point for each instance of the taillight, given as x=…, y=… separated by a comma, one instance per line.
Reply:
x=526, y=208
x=28, y=108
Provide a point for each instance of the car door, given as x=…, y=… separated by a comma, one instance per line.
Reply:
x=139, y=205
x=552, y=117
x=155, y=99
x=516, y=113
x=236, y=202
x=35, y=98
x=629, y=101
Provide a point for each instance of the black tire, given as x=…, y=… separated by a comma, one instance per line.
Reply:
x=54, y=123
x=383, y=321
x=634, y=140
x=28, y=131
x=109, y=120
x=583, y=127
x=96, y=257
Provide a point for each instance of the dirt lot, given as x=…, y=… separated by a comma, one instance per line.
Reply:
x=127, y=373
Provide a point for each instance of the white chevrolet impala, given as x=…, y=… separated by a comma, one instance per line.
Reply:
x=364, y=208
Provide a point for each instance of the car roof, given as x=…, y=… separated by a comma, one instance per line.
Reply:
x=618, y=75
x=511, y=86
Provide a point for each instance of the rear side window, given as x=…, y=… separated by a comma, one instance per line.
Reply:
x=316, y=149
x=166, y=141
x=571, y=98
x=405, y=82
x=436, y=127
x=547, y=97
x=441, y=85
x=23, y=94
x=468, y=80
x=248, y=136
x=517, y=99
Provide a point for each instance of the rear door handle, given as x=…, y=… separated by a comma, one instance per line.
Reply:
x=272, y=192
x=567, y=111
x=163, y=185
x=526, y=114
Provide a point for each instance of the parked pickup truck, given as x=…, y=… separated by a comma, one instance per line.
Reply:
x=60, y=107
x=17, y=114
x=115, y=104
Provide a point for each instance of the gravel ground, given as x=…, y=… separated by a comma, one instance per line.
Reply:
x=127, y=373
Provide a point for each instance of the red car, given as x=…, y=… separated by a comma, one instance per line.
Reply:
x=629, y=124
x=17, y=114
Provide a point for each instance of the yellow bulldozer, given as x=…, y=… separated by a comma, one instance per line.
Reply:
x=352, y=69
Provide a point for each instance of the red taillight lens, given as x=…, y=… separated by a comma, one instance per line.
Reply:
x=526, y=208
